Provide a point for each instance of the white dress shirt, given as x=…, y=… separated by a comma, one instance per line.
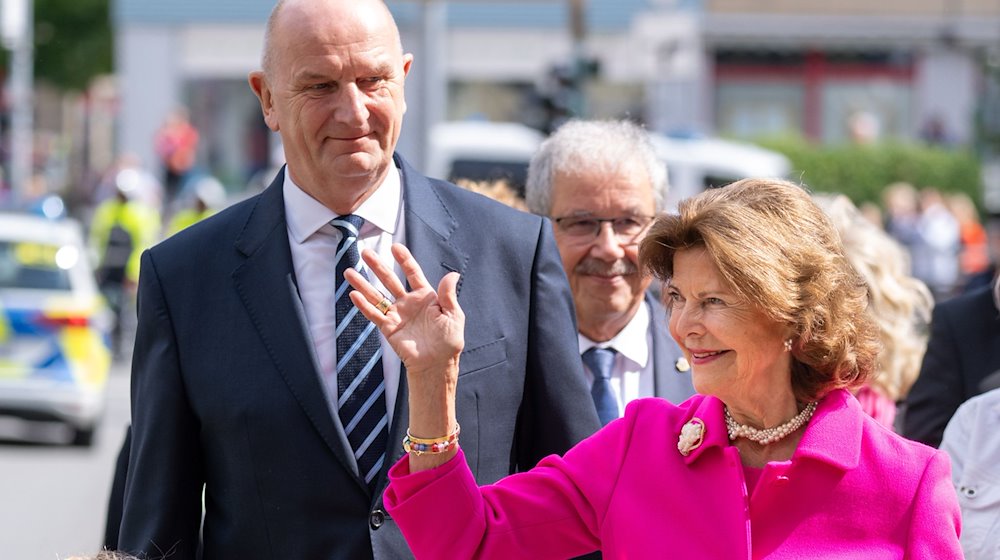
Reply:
x=632, y=372
x=313, y=242
x=972, y=440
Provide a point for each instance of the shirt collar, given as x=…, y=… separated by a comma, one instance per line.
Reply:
x=306, y=215
x=631, y=342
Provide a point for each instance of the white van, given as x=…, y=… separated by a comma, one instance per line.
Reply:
x=488, y=151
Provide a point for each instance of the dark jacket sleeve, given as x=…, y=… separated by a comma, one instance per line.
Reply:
x=939, y=389
x=117, y=498
x=162, y=505
x=557, y=411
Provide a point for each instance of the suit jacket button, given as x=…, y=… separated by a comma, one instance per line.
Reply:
x=376, y=519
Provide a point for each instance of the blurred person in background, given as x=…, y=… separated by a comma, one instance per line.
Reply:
x=972, y=440
x=773, y=459
x=902, y=215
x=207, y=197
x=121, y=228
x=265, y=409
x=176, y=144
x=499, y=190
x=935, y=254
x=602, y=184
x=899, y=304
x=149, y=190
x=974, y=255
x=962, y=361
x=988, y=274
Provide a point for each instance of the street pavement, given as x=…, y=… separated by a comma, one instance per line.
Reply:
x=53, y=498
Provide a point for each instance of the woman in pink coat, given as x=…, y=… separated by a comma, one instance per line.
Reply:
x=774, y=459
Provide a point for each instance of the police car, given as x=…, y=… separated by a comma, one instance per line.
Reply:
x=54, y=326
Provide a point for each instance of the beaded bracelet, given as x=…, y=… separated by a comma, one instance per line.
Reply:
x=420, y=446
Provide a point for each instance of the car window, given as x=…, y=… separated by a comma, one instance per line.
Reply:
x=33, y=266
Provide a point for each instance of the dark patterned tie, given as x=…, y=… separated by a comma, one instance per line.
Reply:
x=600, y=361
x=360, y=385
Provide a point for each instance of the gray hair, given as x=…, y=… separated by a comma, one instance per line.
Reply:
x=604, y=145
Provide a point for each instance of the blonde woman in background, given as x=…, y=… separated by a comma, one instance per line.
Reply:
x=900, y=304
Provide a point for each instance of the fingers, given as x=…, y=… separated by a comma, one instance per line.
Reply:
x=448, y=294
x=364, y=292
x=414, y=275
x=366, y=308
x=384, y=274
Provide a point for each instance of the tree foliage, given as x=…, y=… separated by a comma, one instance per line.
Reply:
x=863, y=171
x=73, y=42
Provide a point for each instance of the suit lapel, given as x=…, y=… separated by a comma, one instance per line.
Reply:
x=266, y=285
x=430, y=236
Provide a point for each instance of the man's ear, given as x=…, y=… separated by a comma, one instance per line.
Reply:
x=260, y=87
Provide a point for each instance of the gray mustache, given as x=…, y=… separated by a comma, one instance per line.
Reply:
x=597, y=267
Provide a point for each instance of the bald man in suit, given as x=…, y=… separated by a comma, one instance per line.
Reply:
x=258, y=391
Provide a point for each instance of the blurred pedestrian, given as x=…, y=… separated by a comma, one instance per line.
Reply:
x=258, y=390
x=974, y=255
x=601, y=183
x=176, y=143
x=962, y=361
x=935, y=254
x=207, y=197
x=121, y=228
x=899, y=304
x=499, y=190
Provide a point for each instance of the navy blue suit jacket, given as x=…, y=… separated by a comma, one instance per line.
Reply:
x=226, y=395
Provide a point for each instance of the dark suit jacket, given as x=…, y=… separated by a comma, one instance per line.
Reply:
x=668, y=382
x=962, y=361
x=225, y=392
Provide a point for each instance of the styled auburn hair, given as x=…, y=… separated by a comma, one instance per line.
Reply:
x=780, y=253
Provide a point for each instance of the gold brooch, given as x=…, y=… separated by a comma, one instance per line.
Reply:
x=691, y=436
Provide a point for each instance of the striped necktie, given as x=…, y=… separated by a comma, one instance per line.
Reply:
x=360, y=385
x=600, y=362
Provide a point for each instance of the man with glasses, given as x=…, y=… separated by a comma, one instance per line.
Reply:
x=601, y=183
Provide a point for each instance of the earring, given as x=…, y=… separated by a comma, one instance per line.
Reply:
x=788, y=345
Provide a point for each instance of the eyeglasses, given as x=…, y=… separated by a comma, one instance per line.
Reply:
x=627, y=228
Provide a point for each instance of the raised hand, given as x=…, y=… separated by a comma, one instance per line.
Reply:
x=425, y=328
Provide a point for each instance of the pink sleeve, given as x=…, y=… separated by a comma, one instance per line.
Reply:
x=936, y=517
x=552, y=511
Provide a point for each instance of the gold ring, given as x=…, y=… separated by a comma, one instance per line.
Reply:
x=384, y=305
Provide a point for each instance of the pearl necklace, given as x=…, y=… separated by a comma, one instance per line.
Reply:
x=768, y=435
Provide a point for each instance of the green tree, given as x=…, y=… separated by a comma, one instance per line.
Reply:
x=73, y=42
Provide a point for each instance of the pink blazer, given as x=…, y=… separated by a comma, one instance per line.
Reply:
x=853, y=489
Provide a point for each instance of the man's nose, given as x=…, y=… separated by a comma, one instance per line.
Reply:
x=352, y=108
x=607, y=245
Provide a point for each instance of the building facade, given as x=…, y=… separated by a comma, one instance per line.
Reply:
x=849, y=70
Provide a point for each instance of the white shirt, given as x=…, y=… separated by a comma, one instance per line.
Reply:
x=632, y=372
x=972, y=439
x=313, y=242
